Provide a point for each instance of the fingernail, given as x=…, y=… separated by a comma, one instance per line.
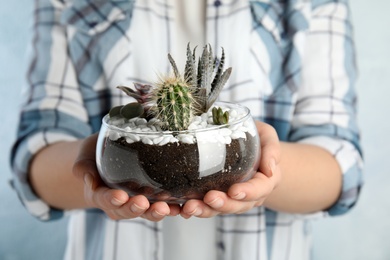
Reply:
x=116, y=202
x=196, y=212
x=217, y=203
x=239, y=196
x=88, y=180
x=157, y=214
x=272, y=166
x=136, y=209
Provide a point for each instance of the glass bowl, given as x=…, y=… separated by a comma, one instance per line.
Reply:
x=133, y=155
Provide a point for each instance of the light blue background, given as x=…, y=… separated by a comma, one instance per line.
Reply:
x=363, y=234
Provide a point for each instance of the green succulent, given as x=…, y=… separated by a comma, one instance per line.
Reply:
x=176, y=99
x=220, y=117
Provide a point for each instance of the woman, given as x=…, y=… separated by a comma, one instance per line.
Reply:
x=293, y=66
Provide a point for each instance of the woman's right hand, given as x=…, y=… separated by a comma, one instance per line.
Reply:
x=115, y=203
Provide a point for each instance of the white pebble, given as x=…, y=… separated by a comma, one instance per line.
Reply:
x=131, y=125
x=165, y=140
x=173, y=140
x=204, y=116
x=235, y=127
x=197, y=119
x=134, y=137
x=243, y=129
x=238, y=134
x=141, y=121
x=233, y=113
x=193, y=126
x=117, y=122
x=181, y=136
x=153, y=136
x=129, y=140
x=252, y=132
x=152, y=121
x=228, y=139
x=146, y=140
x=114, y=135
x=187, y=140
x=157, y=140
x=225, y=131
x=248, y=123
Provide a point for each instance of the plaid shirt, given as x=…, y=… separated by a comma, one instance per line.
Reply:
x=294, y=67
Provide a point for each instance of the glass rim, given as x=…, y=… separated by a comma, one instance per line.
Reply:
x=191, y=131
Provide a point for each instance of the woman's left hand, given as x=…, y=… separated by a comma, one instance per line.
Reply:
x=242, y=197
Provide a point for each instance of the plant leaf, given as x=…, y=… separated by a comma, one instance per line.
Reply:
x=218, y=88
x=115, y=111
x=215, y=115
x=190, y=71
x=218, y=74
x=225, y=118
x=143, y=89
x=174, y=67
x=206, y=70
x=127, y=90
x=132, y=110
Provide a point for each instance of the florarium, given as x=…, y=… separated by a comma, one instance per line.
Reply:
x=175, y=142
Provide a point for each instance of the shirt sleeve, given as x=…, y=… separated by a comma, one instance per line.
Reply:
x=325, y=113
x=53, y=108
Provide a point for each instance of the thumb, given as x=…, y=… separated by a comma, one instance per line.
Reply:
x=270, y=148
x=85, y=162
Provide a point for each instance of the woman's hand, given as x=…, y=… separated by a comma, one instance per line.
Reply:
x=242, y=197
x=115, y=203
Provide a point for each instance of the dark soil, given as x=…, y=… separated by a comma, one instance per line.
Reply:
x=171, y=172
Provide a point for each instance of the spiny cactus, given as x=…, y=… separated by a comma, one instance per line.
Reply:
x=176, y=99
x=174, y=104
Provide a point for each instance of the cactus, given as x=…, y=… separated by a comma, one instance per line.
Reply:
x=174, y=104
x=176, y=99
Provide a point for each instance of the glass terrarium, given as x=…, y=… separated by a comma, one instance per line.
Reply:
x=174, y=143
x=174, y=166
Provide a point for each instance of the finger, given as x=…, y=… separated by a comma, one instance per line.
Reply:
x=135, y=207
x=228, y=205
x=85, y=161
x=253, y=189
x=157, y=211
x=102, y=197
x=270, y=148
x=197, y=208
x=220, y=201
x=215, y=203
